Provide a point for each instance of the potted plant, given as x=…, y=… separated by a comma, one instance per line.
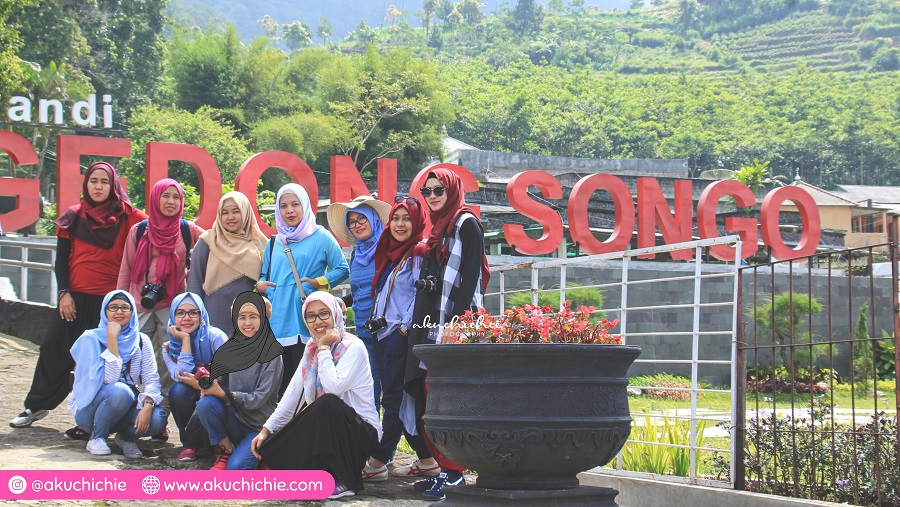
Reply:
x=528, y=400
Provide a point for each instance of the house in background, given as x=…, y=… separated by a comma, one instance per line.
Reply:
x=880, y=209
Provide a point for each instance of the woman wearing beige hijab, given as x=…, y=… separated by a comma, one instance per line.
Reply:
x=227, y=259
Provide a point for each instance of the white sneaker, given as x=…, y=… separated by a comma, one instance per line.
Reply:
x=27, y=417
x=129, y=449
x=98, y=447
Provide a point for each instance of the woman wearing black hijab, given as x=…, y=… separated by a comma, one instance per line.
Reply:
x=233, y=411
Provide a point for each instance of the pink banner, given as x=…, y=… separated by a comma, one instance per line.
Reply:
x=165, y=484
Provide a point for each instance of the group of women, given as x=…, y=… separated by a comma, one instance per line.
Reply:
x=161, y=316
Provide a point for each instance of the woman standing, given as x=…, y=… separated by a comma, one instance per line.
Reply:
x=154, y=267
x=91, y=238
x=453, y=278
x=111, y=361
x=192, y=343
x=361, y=223
x=339, y=426
x=227, y=259
x=233, y=411
x=398, y=260
x=301, y=259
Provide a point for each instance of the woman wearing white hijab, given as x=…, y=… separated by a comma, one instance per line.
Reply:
x=319, y=263
x=339, y=428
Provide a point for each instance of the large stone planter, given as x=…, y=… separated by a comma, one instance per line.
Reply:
x=528, y=416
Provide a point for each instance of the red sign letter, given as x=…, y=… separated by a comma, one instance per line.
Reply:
x=745, y=227
x=517, y=193
x=579, y=228
x=299, y=171
x=809, y=217
x=160, y=154
x=26, y=191
x=653, y=209
x=70, y=149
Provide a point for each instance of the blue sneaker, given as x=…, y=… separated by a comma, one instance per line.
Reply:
x=444, y=479
x=425, y=484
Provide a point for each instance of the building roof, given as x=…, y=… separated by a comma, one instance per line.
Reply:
x=823, y=197
x=882, y=197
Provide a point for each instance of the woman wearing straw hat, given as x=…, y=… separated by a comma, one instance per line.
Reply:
x=360, y=223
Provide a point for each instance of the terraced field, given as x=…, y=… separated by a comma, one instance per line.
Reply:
x=817, y=40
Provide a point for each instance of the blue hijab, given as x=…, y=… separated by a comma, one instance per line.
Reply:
x=88, y=347
x=201, y=346
x=365, y=250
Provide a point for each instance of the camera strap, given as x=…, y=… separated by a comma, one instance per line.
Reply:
x=391, y=285
x=287, y=251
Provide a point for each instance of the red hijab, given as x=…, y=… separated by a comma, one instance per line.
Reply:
x=98, y=223
x=445, y=219
x=389, y=250
x=163, y=233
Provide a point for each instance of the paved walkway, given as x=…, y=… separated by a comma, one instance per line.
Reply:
x=43, y=446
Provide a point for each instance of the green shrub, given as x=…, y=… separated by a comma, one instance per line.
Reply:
x=666, y=380
x=587, y=296
x=642, y=452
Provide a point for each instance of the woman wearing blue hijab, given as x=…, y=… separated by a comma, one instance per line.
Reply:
x=192, y=343
x=360, y=223
x=110, y=362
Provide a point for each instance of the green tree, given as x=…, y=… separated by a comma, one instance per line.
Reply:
x=786, y=315
x=324, y=30
x=204, y=68
x=863, y=354
x=297, y=35
x=173, y=125
x=527, y=17
x=756, y=175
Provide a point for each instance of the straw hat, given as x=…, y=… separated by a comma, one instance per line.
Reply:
x=338, y=210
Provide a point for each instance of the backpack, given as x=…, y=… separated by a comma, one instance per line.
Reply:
x=185, y=236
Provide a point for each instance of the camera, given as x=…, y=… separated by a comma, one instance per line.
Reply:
x=427, y=284
x=151, y=294
x=376, y=324
x=202, y=377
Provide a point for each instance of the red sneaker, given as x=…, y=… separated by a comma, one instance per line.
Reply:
x=222, y=457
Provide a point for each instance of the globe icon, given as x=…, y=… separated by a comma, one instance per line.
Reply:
x=150, y=485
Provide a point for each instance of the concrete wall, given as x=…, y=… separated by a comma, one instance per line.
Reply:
x=635, y=492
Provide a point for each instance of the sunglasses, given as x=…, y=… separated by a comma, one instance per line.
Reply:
x=409, y=201
x=438, y=191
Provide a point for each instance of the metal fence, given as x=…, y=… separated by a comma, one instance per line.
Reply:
x=28, y=263
x=684, y=319
x=818, y=350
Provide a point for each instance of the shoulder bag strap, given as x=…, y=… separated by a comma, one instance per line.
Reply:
x=287, y=251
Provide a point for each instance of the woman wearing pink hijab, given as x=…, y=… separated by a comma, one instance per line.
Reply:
x=154, y=266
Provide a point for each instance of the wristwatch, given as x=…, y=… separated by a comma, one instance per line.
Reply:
x=149, y=401
x=323, y=348
x=404, y=330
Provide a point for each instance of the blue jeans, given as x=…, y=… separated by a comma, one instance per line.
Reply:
x=113, y=411
x=391, y=354
x=370, y=342
x=182, y=401
x=221, y=421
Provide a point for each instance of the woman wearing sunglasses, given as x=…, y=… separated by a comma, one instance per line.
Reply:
x=192, y=343
x=360, y=223
x=398, y=260
x=302, y=259
x=452, y=280
x=336, y=426
x=111, y=361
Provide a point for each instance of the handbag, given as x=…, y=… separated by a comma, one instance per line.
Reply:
x=277, y=452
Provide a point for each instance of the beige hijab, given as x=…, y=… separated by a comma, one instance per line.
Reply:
x=232, y=256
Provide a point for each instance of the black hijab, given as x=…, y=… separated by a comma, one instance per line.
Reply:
x=240, y=352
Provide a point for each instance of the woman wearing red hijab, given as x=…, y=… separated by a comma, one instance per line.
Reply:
x=154, y=270
x=91, y=238
x=453, y=278
x=398, y=260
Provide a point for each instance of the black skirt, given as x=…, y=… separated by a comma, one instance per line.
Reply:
x=335, y=439
x=50, y=384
